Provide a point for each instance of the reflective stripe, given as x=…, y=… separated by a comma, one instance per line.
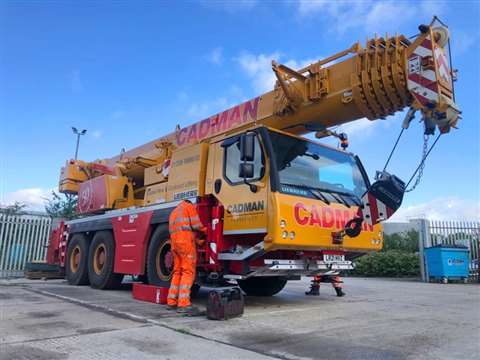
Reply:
x=172, y=296
x=173, y=287
x=185, y=287
x=184, y=296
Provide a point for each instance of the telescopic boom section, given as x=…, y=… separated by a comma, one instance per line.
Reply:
x=386, y=76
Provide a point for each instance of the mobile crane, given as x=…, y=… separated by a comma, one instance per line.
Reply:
x=277, y=205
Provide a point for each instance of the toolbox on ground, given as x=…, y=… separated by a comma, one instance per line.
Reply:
x=447, y=262
x=225, y=303
x=150, y=293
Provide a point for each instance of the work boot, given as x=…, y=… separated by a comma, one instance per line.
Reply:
x=314, y=290
x=171, y=307
x=339, y=291
x=190, y=311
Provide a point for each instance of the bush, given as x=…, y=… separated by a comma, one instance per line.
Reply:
x=390, y=263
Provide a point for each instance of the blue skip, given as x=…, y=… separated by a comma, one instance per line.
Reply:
x=447, y=262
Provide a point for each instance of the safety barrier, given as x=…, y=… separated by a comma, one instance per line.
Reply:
x=23, y=238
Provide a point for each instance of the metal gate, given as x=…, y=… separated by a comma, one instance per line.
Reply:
x=465, y=233
x=23, y=238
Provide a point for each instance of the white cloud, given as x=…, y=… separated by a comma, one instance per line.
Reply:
x=215, y=56
x=34, y=198
x=372, y=16
x=388, y=14
x=259, y=68
x=198, y=111
x=442, y=208
x=76, y=84
x=433, y=7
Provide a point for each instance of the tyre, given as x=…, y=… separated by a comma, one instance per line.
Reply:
x=101, y=261
x=160, y=258
x=76, y=269
x=262, y=286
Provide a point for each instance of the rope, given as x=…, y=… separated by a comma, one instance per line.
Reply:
x=394, y=147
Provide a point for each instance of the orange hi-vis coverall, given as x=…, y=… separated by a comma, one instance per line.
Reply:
x=183, y=223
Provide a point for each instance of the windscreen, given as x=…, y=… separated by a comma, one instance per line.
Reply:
x=302, y=164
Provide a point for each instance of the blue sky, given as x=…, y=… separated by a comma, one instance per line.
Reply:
x=130, y=71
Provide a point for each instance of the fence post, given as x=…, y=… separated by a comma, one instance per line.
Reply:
x=423, y=241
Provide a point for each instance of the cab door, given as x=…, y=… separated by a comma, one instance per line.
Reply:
x=245, y=205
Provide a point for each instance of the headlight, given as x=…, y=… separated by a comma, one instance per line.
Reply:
x=283, y=224
x=284, y=234
x=292, y=235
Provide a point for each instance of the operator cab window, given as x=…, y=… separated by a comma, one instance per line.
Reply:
x=232, y=162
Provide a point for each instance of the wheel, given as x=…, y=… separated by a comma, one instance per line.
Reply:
x=76, y=269
x=101, y=262
x=262, y=286
x=160, y=258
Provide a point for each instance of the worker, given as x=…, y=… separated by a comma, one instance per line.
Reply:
x=184, y=225
x=336, y=282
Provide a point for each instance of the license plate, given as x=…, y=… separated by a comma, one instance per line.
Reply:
x=333, y=257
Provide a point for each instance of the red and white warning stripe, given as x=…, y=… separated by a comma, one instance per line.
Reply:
x=442, y=64
x=422, y=82
x=374, y=211
x=213, y=251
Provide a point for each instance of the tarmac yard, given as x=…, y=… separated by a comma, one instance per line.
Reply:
x=378, y=319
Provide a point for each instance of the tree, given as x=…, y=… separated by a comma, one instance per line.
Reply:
x=61, y=206
x=17, y=208
x=404, y=241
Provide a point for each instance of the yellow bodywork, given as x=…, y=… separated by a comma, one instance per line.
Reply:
x=306, y=224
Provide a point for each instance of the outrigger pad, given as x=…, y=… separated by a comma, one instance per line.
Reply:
x=383, y=198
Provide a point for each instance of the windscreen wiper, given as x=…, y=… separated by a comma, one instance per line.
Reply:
x=339, y=194
x=312, y=190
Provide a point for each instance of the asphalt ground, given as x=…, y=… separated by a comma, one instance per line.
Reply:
x=378, y=319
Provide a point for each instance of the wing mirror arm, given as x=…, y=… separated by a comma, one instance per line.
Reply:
x=247, y=156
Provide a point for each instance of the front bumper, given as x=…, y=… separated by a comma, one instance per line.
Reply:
x=291, y=268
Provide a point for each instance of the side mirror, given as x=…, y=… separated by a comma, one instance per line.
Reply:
x=247, y=147
x=246, y=171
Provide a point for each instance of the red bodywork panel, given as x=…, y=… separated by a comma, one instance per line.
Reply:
x=92, y=195
x=57, y=245
x=131, y=242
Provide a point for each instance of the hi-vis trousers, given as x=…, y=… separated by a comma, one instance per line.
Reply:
x=184, y=267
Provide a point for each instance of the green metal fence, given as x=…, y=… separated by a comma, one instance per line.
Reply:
x=23, y=238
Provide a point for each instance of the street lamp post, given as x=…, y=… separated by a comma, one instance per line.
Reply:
x=78, y=133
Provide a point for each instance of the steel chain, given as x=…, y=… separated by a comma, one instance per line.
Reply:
x=422, y=164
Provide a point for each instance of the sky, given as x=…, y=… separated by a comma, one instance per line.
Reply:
x=130, y=71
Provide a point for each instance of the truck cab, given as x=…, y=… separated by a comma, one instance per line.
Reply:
x=286, y=201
